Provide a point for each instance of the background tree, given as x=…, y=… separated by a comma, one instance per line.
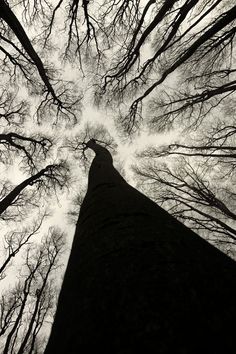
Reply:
x=28, y=304
x=19, y=56
x=15, y=240
x=124, y=45
x=194, y=180
x=197, y=35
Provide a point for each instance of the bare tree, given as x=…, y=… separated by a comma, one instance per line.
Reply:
x=46, y=180
x=91, y=29
x=12, y=111
x=30, y=148
x=33, y=299
x=194, y=101
x=14, y=141
x=195, y=182
x=18, y=54
x=133, y=48
x=181, y=38
x=26, y=307
x=16, y=240
x=214, y=142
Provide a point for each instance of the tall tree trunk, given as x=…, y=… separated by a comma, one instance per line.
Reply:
x=138, y=281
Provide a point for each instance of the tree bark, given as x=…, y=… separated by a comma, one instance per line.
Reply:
x=139, y=281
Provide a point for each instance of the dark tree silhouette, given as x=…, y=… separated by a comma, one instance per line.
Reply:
x=29, y=147
x=14, y=24
x=191, y=106
x=149, y=42
x=193, y=179
x=138, y=280
x=48, y=178
x=188, y=42
x=26, y=306
x=186, y=192
x=15, y=240
x=133, y=49
x=91, y=31
x=12, y=111
x=19, y=53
